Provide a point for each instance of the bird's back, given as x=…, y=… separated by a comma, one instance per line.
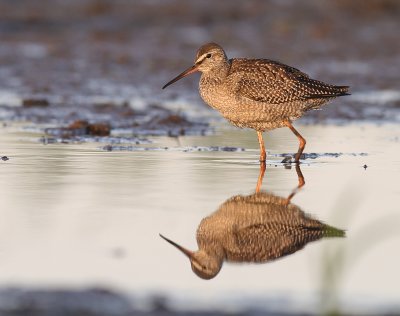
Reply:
x=272, y=82
x=263, y=94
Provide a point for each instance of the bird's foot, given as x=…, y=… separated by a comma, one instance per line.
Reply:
x=288, y=159
x=292, y=159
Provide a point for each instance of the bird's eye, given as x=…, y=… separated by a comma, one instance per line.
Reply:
x=208, y=55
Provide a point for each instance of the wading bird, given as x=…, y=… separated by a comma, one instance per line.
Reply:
x=258, y=93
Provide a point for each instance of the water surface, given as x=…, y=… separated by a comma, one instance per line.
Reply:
x=74, y=215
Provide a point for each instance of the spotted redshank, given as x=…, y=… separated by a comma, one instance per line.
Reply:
x=258, y=93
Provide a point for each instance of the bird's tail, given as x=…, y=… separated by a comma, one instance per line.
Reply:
x=343, y=90
x=330, y=231
x=330, y=92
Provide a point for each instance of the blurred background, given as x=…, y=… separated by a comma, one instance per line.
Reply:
x=128, y=48
x=80, y=214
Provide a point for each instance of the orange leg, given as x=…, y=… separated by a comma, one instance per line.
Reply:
x=260, y=177
x=301, y=140
x=263, y=154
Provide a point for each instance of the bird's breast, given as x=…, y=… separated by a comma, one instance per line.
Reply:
x=222, y=95
x=215, y=93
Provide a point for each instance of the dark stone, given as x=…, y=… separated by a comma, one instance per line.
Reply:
x=35, y=102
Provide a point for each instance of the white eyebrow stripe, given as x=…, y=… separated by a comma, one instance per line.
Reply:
x=201, y=58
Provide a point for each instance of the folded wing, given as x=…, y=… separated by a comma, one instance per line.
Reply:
x=271, y=82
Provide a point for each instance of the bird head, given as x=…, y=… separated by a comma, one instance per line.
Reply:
x=203, y=265
x=208, y=57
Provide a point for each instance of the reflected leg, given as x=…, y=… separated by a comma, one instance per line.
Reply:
x=300, y=177
x=302, y=141
x=263, y=154
x=301, y=182
x=260, y=177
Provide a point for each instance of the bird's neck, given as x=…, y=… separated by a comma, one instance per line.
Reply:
x=218, y=73
x=213, y=249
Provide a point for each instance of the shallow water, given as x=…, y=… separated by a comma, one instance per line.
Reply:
x=75, y=215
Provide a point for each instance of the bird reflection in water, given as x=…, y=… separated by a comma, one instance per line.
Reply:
x=256, y=228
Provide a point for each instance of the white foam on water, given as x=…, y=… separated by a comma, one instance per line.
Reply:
x=33, y=50
x=376, y=97
x=9, y=98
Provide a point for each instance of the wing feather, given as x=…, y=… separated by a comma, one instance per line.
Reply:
x=272, y=82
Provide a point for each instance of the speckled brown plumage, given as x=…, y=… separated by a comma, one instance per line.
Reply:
x=258, y=93
x=255, y=228
x=260, y=227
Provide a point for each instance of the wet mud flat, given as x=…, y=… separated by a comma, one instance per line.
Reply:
x=96, y=302
x=109, y=123
x=118, y=52
x=93, y=70
x=103, y=302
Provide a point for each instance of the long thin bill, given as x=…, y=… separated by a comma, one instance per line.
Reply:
x=188, y=253
x=183, y=74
